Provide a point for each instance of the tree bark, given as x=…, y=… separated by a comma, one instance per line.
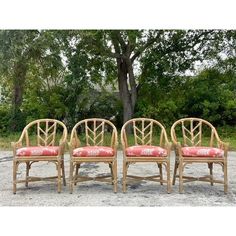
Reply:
x=126, y=79
x=124, y=92
x=132, y=83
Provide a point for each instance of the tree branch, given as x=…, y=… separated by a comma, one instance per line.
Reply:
x=149, y=42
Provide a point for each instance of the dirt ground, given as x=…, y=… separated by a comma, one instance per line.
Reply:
x=101, y=194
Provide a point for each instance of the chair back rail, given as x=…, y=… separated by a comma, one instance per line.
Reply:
x=46, y=130
x=94, y=130
x=192, y=130
x=143, y=132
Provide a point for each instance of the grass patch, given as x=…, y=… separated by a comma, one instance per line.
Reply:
x=226, y=134
x=5, y=141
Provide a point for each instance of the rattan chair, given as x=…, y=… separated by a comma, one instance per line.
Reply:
x=197, y=141
x=38, y=143
x=150, y=144
x=93, y=141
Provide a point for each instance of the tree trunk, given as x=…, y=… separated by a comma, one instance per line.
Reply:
x=124, y=91
x=133, y=86
x=126, y=79
x=17, y=122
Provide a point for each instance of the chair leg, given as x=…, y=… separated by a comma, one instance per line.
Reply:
x=114, y=176
x=168, y=178
x=124, y=176
x=161, y=174
x=27, y=174
x=111, y=169
x=76, y=172
x=210, y=166
x=71, y=176
x=59, y=177
x=225, y=178
x=180, y=176
x=14, y=176
x=63, y=172
x=175, y=171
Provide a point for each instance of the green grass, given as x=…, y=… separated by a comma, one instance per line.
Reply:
x=5, y=141
x=226, y=135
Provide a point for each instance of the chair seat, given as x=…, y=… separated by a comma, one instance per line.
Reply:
x=202, y=152
x=93, y=151
x=38, y=151
x=145, y=150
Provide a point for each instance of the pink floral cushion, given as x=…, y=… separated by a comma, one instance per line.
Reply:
x=145, y=150
x=38, y=151
x=93, y=151
x=202, y=152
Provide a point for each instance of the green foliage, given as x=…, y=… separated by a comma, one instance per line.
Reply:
x=71, y=75
x=211, y=98
x=209, y=95
x=4, y=118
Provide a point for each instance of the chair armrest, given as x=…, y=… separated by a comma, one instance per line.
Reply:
x=168, y=145
x=62, y=145
x=15, y=146
x=114, y=141
x=178, y=148
x=224, y=146
x=72, y=145
x=62, y=142
x=178, y=145
x=114, y=146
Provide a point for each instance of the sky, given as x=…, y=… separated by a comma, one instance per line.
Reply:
x=122, y=14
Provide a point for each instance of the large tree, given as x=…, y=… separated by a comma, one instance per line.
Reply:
x=28, y=55
x=134, y=57
x=15, y=51
x=75, y=63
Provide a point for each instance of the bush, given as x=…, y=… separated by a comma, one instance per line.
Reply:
x=4, y=118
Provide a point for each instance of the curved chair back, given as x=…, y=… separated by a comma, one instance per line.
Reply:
x=45, y=131
x=194, y=132
x=145, y=131
x=94, y=132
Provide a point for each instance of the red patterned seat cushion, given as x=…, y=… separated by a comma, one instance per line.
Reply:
x=38, y=151
x=93, y=151
x=145, y=150
x=202, y=152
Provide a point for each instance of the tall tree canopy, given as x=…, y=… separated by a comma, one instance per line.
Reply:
x=134, y=57
x=68, y=74
x=28, y=55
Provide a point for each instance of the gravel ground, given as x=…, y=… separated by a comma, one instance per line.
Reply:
x=101, y=194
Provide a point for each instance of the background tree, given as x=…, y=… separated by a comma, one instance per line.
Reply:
x=135, y=57
x=28, y=55
x=75, y=74
x=15, y=50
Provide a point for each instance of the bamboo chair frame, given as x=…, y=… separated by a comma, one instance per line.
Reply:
x=94, y=137
x=192, y=136
x=44, y=138
x=140, y=136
